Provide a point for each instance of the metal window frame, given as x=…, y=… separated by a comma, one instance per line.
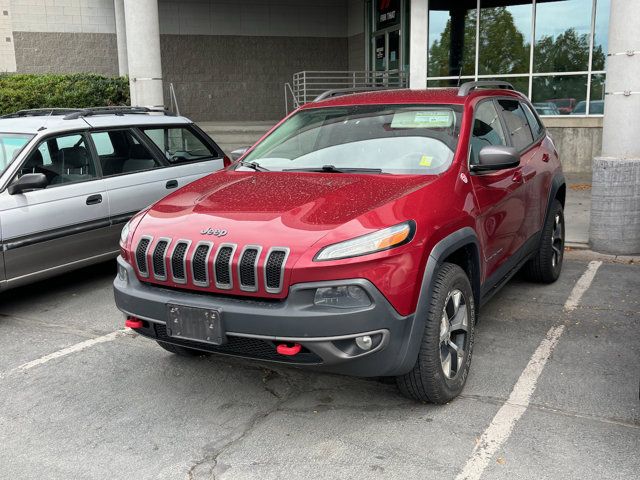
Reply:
x=530, y=75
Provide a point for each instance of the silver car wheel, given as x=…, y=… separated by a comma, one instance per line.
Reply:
x=454, y=326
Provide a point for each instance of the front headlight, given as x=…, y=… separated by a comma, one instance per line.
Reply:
x=124, y=235
x=372, y=242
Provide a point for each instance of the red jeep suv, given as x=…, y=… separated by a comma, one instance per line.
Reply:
x=361, y=236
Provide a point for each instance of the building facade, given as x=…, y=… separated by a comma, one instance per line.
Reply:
x=235, y=59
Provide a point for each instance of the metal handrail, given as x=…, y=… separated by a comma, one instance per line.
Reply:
x=308, y=84
x=288, y=90
x=173, y=99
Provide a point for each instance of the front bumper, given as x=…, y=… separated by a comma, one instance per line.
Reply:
x=254, y=327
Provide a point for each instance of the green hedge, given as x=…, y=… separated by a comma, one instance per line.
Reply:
x=22, y=91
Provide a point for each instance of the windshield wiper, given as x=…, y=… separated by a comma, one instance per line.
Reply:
x=254, y=166
x=333, y=169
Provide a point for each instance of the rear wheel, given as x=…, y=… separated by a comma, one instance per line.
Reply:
x=444, y=359
x=182, y=351
x=546, y=265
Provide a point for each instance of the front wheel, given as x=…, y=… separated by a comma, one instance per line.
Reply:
x=444, y=358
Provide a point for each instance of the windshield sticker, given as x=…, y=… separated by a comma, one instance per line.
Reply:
x=425, y=119
x=425, y=161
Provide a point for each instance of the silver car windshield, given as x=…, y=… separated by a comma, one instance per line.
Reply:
x=392, y=139
x=11, y=144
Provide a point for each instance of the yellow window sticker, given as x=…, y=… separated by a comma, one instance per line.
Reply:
x=425, y=161
x=423, y=119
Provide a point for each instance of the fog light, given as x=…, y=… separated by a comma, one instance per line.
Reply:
x=350, y=296
x=364, y=343
x=123, y=276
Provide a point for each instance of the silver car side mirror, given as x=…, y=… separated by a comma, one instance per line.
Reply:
x=28, y=181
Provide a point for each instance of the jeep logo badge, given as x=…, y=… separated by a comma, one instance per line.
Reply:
x=214, y=231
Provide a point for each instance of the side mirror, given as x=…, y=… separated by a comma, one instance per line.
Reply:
x=496, y=157
x=28, y=181
x=236, y=154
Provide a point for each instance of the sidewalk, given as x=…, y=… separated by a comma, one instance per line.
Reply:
x=577, y=211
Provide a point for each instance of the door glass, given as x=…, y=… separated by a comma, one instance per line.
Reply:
x=516, y=122
x=487, y=130
x=64, y=159
x=120, y=152
x=536, y=126
x=394, y=50
x=180, y=144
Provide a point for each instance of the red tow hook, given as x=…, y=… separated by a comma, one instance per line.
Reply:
x=284, y=349
x=133, y=322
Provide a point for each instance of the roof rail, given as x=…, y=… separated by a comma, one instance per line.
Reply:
x=40, y=112
x=88, y=112
x=467, y=87
x=337, y=92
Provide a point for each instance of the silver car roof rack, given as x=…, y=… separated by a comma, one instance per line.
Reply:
x=89, y=112
x=40, y=112
x=466, y=88
x=75, y=113
x=337, y=92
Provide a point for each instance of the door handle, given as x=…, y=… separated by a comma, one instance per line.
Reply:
x=545, y=157
x=171, y=184
x=94, y=199
x=517, y=177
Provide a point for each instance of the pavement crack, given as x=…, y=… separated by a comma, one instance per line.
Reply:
x=206, y=466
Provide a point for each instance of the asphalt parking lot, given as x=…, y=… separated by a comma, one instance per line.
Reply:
x=552, y=393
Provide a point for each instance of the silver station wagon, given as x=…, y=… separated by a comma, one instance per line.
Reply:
x=70, y=179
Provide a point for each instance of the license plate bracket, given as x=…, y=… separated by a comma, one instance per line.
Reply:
x=195, y=324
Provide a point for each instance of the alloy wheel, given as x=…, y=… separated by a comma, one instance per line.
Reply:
x=454, y=327
x=557, y=240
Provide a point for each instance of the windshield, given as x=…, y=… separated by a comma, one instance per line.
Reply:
x=378, y=138
x=10, y=146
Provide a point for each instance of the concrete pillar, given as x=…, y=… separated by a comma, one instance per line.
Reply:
x=615, y=195
x=418, y=41
x=143, y=52
x=121, y=34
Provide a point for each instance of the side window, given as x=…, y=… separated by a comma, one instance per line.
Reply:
x=517, y=125
x=534, y=123
x=487, y=130
x=180, y=144
x=64, y=159
x=120, y=152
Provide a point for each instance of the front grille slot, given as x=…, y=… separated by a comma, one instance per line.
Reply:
x=274, y=269
x=178, y=262
x=222, y=266
x=159, y=266
x=199, y=264
x=141, y=256
x=248, y=268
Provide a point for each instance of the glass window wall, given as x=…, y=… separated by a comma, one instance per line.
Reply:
x=552, y=50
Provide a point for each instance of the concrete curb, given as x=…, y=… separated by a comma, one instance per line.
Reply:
x=585, y=254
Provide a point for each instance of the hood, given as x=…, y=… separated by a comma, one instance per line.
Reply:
x=241, y=233
x=274, y=207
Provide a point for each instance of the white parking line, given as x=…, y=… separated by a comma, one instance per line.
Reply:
x=502, y=424
x=581, y=286
x=65, y=351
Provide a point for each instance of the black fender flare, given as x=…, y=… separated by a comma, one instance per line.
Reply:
x=557, y=183
x=466, y=236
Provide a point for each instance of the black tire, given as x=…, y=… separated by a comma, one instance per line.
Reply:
x=427, y=381
x=182, y=351
x=546, y=265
